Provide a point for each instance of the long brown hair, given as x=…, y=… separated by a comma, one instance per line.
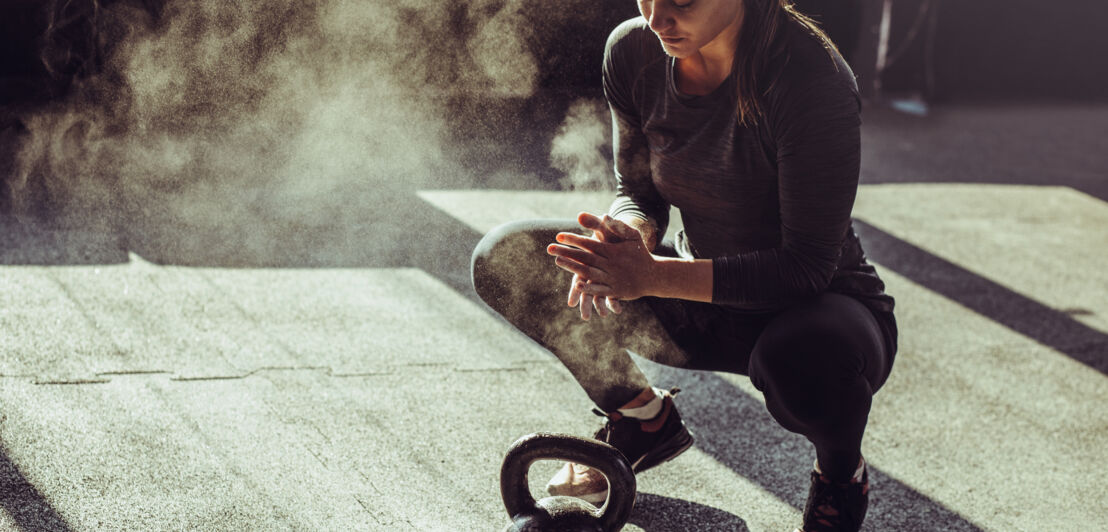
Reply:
x=760, y=41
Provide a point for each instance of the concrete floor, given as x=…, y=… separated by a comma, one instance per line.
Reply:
x=148, y=380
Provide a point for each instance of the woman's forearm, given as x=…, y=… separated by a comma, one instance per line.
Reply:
x=682, y=279
x=674, y=277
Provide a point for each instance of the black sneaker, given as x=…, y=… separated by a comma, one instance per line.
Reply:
x=834, y=506
x=645, y=444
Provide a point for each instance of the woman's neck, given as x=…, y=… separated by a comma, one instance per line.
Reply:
x=704, y=70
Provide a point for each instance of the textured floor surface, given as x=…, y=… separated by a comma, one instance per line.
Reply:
x=146, y=392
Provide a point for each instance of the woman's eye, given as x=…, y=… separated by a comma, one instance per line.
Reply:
x=686, y=5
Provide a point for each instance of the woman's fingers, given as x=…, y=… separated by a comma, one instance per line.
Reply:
x=595, y=289
x=589, y=221
x=597, y=224
x=619, y=228
x=577, y=255
x=581, y=242
x=613, y=305
x=574, y=293
x=576, y=268
x=601, y=306
x=590, y=303
x=581, y=260
x=581, y=270
x=614, y=230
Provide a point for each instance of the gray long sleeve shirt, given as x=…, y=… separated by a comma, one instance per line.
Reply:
x=770, y=204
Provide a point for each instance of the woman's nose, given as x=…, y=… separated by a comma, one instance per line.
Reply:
x=660, y=18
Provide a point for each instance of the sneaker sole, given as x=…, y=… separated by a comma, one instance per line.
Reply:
x=673, y=449
x=596, y=498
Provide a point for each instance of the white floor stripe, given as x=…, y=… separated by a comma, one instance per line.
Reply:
x=1047, y=243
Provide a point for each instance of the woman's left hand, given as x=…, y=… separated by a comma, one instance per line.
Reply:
x=622, y=270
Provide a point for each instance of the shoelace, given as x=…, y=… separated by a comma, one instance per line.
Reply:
x=825, y=511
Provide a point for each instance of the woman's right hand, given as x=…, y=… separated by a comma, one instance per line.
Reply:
x=605, y=230
x=588, y=302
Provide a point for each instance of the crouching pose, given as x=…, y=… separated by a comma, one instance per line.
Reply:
x=743, y=116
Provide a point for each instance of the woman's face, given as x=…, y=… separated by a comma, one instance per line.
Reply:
x=686, y=26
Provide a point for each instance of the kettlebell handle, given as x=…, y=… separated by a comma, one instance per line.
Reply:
x=598, y=455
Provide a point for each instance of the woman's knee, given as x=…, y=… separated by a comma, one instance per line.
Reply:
x=811, y=370
x=510, y=257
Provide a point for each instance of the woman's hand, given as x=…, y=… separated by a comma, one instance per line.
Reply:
x=602, y=305
x=614, y=264
x=588, y=303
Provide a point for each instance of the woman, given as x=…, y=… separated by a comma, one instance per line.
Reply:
x=742, y=115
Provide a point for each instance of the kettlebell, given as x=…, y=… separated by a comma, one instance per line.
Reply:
x=560, y=513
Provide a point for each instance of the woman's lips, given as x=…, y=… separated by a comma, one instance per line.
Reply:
x=670, y=40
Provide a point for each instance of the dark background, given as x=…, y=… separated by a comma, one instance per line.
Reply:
x=981, y=50
x=945, y=52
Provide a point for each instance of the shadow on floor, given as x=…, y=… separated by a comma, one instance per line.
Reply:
x=370, y=229
x=1048, y=326
x=655, y=513
x=736, y=430
x=23, y=502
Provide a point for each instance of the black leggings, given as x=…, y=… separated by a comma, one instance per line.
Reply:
x=818, y=362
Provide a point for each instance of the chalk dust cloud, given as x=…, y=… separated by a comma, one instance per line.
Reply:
x=583, y=146
x=240, y=124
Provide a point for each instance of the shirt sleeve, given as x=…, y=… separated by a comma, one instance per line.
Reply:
x=635, y=192
x=816, y=130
